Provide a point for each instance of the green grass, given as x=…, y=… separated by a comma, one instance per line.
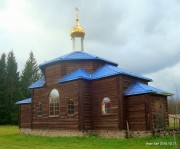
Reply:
x=11, y=139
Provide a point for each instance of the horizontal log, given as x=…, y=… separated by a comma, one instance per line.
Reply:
x=55, y=123
x=108, y=128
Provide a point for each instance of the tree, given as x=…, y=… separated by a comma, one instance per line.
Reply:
x=30, y=74
x=12, y=92
x=3, y=74
x=2, y=78
x=13, y=87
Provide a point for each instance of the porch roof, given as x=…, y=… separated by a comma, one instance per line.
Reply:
x=37, y=84
x=24, y=101
x=140, y=88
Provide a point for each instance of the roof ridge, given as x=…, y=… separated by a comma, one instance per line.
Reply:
x=76, y=74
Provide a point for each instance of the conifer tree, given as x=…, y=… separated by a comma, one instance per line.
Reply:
x=3, y=105
x=30, y=74
x=12, y=92
x=12, y=78
x=2, y=78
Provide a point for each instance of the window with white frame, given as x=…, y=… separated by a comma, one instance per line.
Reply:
x=106, y=106
x=70, y=107
x=54, y=103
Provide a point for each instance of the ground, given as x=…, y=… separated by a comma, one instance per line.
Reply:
x=11, y=139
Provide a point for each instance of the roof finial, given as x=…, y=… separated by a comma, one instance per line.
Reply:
x=77, y=17
x=77, y=10
x=77, y=32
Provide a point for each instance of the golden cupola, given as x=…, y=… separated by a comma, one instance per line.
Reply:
x=77, y=32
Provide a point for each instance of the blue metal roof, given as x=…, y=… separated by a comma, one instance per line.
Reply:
x=140, y=88
x=102, y=72
x=78, y=74
x=77, y=55
x=39, y=83
x=28, y=100
x=109, y=70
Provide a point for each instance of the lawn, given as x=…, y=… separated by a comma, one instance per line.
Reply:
x=11, y=139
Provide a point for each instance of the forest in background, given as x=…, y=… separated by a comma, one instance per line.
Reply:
x=14, y=85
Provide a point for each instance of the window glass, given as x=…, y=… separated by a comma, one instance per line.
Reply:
x=54, y=103
x=106, y=106
x=70, y=107
x=39, y=109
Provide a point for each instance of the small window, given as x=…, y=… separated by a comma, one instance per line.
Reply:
x=106, y=106
x=70, y=107
x=39, y=109
x=54, y=103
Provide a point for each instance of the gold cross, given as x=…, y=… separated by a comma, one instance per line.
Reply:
x=77, y=11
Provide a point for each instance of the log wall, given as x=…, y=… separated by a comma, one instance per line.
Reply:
x=106, y=87
x=89, y=66
x=135, y=112
x=158, y=104
x=128, y=80
x=88, y=97
x=141, y=111
x=25, y=116
x=54, y=72
x=86, y=104
x=67, y=91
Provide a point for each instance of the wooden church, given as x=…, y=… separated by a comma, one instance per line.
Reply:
x=82, y=92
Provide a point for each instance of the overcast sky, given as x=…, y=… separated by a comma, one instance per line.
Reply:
x=141, y=36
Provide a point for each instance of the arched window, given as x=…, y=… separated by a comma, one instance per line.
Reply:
x=106, y=106
x=39, y=109
x=70, y=107
x=54, y=103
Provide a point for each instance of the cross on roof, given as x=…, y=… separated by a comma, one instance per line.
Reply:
x=77, y=10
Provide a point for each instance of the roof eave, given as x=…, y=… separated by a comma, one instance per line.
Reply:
x=43, y=66
x=66, y=81
x=142, y=78
x=35, y=87
x=137, y=94
x=163, y=93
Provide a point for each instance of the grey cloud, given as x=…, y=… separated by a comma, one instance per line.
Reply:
x=142, y=36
